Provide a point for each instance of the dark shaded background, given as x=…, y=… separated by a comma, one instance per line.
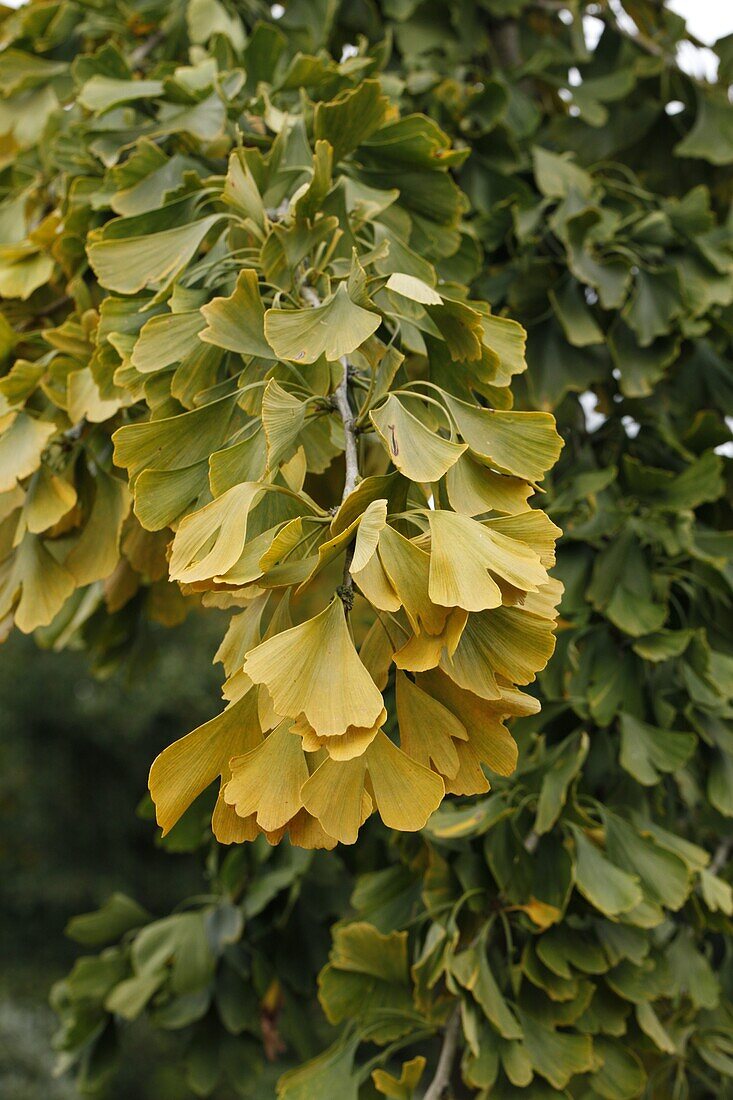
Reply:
x=74, y=756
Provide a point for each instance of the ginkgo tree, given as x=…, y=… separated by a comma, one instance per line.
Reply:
x=266, y=278
x=261, y=287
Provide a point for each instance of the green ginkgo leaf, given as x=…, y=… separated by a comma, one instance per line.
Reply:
x=166, y=339
x=174, y=442
x=334, y=329
x=102, y=93
x=605, y=885
x=237, y=323
x=127, y=264
x=351, y=118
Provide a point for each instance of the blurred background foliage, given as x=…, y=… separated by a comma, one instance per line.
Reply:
x=69, y=836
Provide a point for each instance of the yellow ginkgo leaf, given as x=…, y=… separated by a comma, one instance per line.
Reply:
x=303, y=831
x=267, y=781
x=226, y=824
x=375, y=585
x=470, y=778
x=389, y=487
x=508, y=641
x=84, y=400
x=525, y=444
x=521, y=642
x=405, y=793
x=473, y=489
x=265, y=710
x=11, y=501
x=96, y=553
x=186, y=768
x=424, y=651
x=314, y=669
x=470, y=663
x=49, y=498
x=242, y=635
x=413, y=288
x=376, y=653
x=42, y=583
x=345, y=747
x=335, y=795
x=368, y=531
x=460, y=557
x=507, y=340
x=487, y=735
x=408, y=570
x=22, y=440
x=363, y=532
x=427, y=728
x=533, y=527
x=462, y=553
x=419, y=453
x=209, y=542
x=545, y=600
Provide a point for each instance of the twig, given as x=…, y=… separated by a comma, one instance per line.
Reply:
x=341, y=401
x=46, y=311
x=139, y=54
x=721, y=856
x=351, y=453
x=277, y=213
x=441, y=1080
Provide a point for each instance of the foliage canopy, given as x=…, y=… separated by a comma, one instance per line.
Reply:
x=264, y=339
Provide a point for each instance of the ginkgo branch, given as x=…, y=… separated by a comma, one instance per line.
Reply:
x=341, y=401
x=440, y=1082
x=351, y=453
x=721, y=856
x=139, y=54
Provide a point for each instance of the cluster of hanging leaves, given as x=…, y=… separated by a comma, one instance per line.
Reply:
x=259, y=263
x=567, y=932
